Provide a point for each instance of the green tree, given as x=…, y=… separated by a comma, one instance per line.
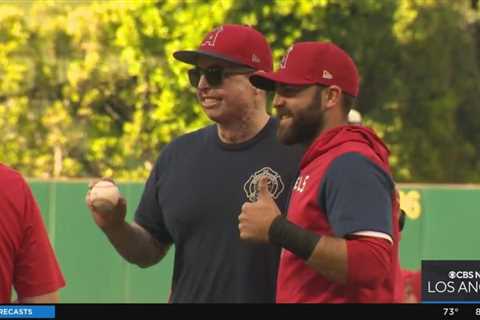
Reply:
x=91, y=88
x=96, y=86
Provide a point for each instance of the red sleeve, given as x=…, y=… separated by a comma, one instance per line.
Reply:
x=36, y=268
x=369, y=261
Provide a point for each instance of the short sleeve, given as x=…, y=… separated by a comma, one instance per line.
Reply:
x=37, y=271
x=149, y=213
x=356, y=195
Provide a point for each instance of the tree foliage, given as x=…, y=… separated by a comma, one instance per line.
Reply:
x=91, y=88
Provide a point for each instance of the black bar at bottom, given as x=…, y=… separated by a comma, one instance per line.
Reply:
x=160, y=311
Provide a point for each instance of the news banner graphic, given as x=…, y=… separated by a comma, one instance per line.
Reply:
x=450, y=290
x=26, y=312
x=454, y=284
x=175, y=311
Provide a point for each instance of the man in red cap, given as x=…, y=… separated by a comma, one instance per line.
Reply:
x=199, y=182
x=340, y=236
x=27, y=260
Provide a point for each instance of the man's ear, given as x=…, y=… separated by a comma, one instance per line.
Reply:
x=333, y=96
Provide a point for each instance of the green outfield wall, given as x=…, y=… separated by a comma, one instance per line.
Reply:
x=442, y=223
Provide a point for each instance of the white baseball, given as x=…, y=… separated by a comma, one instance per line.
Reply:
x=104, y=196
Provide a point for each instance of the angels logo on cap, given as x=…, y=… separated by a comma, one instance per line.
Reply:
x=238, y=44
x=212, y=37
x=313, y=62
x=283, y=64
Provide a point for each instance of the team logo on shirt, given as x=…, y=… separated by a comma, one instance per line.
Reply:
x=275, y=183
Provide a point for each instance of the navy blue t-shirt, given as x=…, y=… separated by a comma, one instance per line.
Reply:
x=193, y=198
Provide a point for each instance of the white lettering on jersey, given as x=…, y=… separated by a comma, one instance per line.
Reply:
x=301, y=183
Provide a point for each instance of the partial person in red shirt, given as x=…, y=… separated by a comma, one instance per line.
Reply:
x=27, y=260
x=340, y=236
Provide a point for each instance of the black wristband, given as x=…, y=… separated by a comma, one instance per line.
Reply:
x=295, y=239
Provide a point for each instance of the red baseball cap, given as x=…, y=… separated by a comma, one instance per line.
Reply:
x=234, y=43
x=312, y=63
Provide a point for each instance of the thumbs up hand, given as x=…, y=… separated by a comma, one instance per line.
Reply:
x=256, y=217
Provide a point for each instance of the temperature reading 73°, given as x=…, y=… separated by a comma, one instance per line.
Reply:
x=450, y=311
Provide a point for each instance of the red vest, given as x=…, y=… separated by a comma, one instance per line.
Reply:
x=297, y=282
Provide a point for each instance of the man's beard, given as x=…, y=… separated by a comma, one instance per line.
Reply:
x=304, y=125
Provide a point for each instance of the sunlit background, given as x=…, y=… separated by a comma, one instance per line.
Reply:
x=90, y=89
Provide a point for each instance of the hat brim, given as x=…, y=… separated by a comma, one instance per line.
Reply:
x=192, y=56
x=268, y=80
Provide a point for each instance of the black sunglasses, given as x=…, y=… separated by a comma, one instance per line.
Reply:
x=214, y=75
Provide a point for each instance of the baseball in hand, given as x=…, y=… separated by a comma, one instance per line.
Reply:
x=104, y=196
